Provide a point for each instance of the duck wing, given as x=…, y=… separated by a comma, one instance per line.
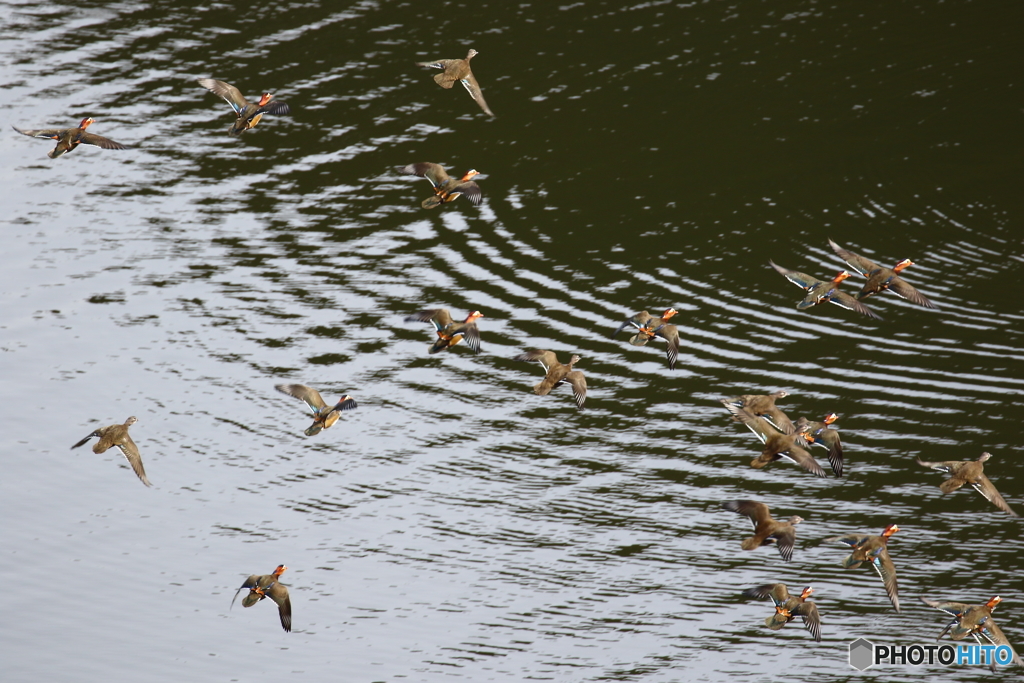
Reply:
x=100, y=141
x=778, y=419
x=637, y=321
x=48, y=133
x=785, y=538
x=279, y=594
x=470, y=190
x=578, y=383
x=440, y=318
x=251, y=582
x=471, y=335
x=449, y=68
x=275, y=108
x=798, y=279
x=812, y=621
x=435, y=173
x=755, y=511
x=473, y=88
x=547, y=359
x=308, y=395
x=887, y=572
x=848, y=302
x=855, y=261
x=906, y=291
x=777, y=592
x=670, y=333
x=829, y=440
x=985, y=487
x=131, y=452
x=231, y=94
x=992, y=633
x=753, y=422
x=801, y=457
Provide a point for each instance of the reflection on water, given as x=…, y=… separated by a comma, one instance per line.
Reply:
x=456, y=524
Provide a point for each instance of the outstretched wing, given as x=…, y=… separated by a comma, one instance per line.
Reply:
x=308, y=395
x=846, y=301
x=231, y=94
x=440, y=318
x=48, y=133
x=812, y=621
x=100, y=141
x=473, y=88
x=984, y=486
x=857, y=262
x=579, y=387
x=545, y=358
x=887, y=571
x=131, y=452
x=903, y=289
x=799, y=279
x=435, y=173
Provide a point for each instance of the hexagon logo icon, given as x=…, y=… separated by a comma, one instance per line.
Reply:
x=861, y=654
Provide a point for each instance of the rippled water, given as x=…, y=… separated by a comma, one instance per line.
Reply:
x=456, y=525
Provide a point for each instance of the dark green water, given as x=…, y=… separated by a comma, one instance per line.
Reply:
x=456, y=526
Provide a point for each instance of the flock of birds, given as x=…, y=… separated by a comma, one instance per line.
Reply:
x=785, y=439
x=781, y=437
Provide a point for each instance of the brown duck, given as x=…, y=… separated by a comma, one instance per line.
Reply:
x=975, y=621
x=324, y=416
x=767, y=529
x=823, y=291
x=117, y=435
x=776, y=444
x=648, y=327
x=446, y=189
x=874, y=550
x=268, y=586
x=557, y=373
x=69, y=138
x=457, y=70
x=788, y=607
x=826, y=438
x=969, y=472
x=764, y=405
x=449, y=332
x=247, y=114
x=880, y=279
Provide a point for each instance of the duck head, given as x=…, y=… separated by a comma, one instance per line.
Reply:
x=842, y=275
x=984, y=457
x=281, y=569
x=472, y=53
x=473, y=316
x=470, y=174
x=890, y=530
x=669, y=312
x=130, y=421
x=905, y=263
x=264, y=98
x=991, y=604
x=806, y=593
x=86, y=122
x=830, y=418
